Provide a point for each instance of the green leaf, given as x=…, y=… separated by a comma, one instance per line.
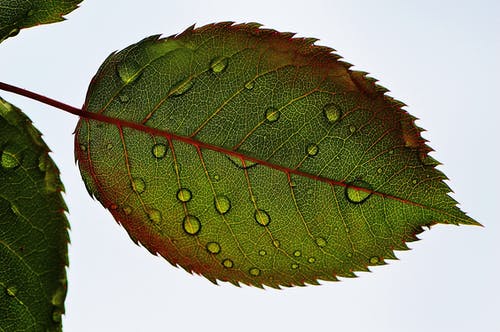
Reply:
x=246, y=155
x=18, y=14
x=33, y=229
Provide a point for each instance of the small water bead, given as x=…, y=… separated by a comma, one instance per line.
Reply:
x=127, y=210
x=249, y=85
x=254, y=272
x=262, y=217
x=222, y=204
x=374, y=260
x=9, y=160
x=128, y=70
x=159, y=150
x=380, y=170
x=352, y=129
x=182, y=87
x=321, y=242
x=227, y=263
x=184, y=195
x=297, y=253
x=358, y=191
x=216, y=177
x=109, y=146
x=312, y=149
x=276, y=243
x=332, y=112
x=213, y=247
x=349, y=254
x=218, y=64
x=295, y=266
x=154, y=215
x=138, y=185
x=262, y=252
x=11, y=291
x=191, y=224
x=124, y=98
x=272, y=114
x=414, y=181
x=311, y=260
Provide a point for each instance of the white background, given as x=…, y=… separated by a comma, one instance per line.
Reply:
x=441, y=58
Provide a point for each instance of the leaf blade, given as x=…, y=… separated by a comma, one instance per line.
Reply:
x=284, y=131
x=33, y=232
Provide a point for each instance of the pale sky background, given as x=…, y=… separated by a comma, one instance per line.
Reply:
x=439, y=57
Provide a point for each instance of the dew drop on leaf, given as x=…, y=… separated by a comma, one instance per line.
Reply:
x=352, y=129
x=138, y=185
x=159, y=150
x=128, y=70
x=262, y=252
x=222, y=204
x=191, y=224
x=276, y=243
x=11, y=291
x=154, y=215
x=297, y=253
x=374, y=260
x=358, y=191
x=254, y=272
x=227, y=263
x=184, y=195
x=311, y=260
x=262, y=217
x=321, y=242
x=213, y=247
x=312, y=149
x=182, y=87
x=295, y=266
x=249, y=85
x=218, y=64
x=272, y=114
x=332, y=113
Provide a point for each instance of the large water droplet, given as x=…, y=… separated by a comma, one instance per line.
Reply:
x=129, y=70
x=138, y=185
x=312, y=149
x=272, y=114
x=358, y=191
x=227, y=263
x=213, y=247
x=11, y=291
x=262, y=217
x=254, y=272
x=249, y=85
x=332, y=112
x=9, y=160
x=184, y=195
x=182, y=87
x=154, y=215
x=191, y=225
x=218, y=64
x=222, y=204
x=321, y=242
x=159, y=150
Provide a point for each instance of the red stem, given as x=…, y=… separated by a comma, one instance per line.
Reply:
x=40, y=98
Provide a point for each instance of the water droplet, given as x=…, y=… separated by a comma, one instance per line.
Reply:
x=184, y=195
x=127, y=210
x=332, y=112
x=159, y=150
x=227, y=263
x=374, y=260
x=14, y=32
x=262, y=252
x=216, y=177
x=109, y=146
x=129, y=70
x=276, y=243
x=222, y=204
x=297, y=253
x=349, y=254
x=380, y=170
x=213, y=247
x=352, y=129
x=358, y=191
x=43, y=161
x=11, y=291
x=295, y=266
x=272, y=114
x=321, y=242
x=262, y=217
x=249, y=85
x=182, y=87
x=237, y=161
x=154, y=215
x=414, y=181
x=218, y=64
x=311, y=260
x=312, y=149
x=9, y=160
x=191, y=225
x=138, y=185
x=254, y=272
x=124, y=98
x=83, y=147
